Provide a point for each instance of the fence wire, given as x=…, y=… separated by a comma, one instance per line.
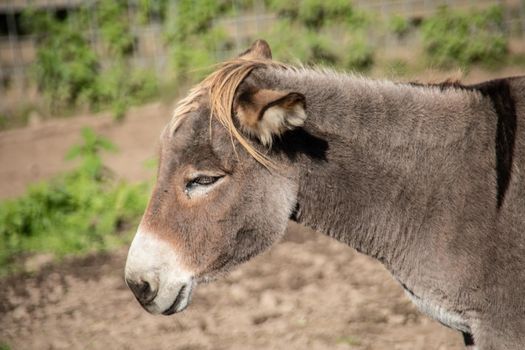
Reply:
x=18, y=49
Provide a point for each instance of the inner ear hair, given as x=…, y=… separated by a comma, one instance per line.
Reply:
x=268, y=113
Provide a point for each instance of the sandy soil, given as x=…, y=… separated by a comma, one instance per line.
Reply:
x=308, y=292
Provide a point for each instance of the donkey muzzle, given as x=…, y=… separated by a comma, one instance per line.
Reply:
x=155, y=275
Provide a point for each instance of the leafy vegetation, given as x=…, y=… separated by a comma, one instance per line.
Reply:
x=330, y=32
x=66, y=66
x=399, y=25
x=152, y=9
x=454, y=37
x=316, y=14
x=193, y=39
x=70, y=73
x=82, y=210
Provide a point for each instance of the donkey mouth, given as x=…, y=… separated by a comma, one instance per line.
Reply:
x=182, y=300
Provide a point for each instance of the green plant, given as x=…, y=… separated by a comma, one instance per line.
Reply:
x=192, y=37
x=454, y=37
x=88, y=152
x=322, y=32
x=120, y=86
x=194, y=57
x=65, y=67
x=308, y=31
x=70, y=73
x=316, y=13
x=398, y=25
x=191, y=17
x=148, y=9
x=115, y=27
x=360, y=55
x=82, y=210
x=285, y=8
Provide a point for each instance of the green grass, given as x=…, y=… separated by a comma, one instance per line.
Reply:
x=464, y=38
x=83, y=210
x=350, y=340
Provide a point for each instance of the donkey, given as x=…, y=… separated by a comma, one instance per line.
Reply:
x=427, y=179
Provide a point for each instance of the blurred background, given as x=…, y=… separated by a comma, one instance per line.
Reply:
x=60, y=55
x=85, y=88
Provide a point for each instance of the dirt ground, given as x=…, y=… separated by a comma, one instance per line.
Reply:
x=308, y=292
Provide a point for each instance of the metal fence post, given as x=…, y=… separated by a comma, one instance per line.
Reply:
x=14, y=47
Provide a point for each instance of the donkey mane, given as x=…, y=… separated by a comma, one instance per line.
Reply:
x=221, y=85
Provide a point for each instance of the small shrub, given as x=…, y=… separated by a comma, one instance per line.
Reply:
x=76, y=212
x=286, y=8
x=317, y=13
x=65, y=67
x=352, y=52
x=191, y=17
x=192, y=38
x=340, y=44
x=69, y=72
x=148, y=9
x=399, y=25
x=120, y=87
x=360, y=55
x=453, y=37
x=113, y=20
x=194, y=57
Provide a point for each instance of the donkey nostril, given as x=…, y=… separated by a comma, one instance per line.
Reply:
x=145, y=287
x=142, y=290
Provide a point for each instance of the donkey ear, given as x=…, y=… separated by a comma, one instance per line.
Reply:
x=259, y=50
x=267, y=113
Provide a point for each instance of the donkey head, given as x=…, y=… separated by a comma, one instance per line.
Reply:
x=221, y=197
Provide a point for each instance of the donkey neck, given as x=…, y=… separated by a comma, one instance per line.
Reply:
x=386, y=177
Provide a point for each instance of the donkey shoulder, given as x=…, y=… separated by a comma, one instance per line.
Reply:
x=506, y=89
x=508, y=100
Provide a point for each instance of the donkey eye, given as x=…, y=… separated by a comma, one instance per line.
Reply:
x=203, y=180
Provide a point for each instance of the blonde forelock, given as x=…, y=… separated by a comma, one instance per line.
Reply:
x=221, y=86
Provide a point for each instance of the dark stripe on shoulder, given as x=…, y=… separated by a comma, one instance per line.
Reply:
x=500, y=93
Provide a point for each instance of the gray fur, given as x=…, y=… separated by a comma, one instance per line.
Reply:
x=404, y=173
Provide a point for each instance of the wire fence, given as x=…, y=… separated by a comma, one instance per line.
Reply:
x=18, y=49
